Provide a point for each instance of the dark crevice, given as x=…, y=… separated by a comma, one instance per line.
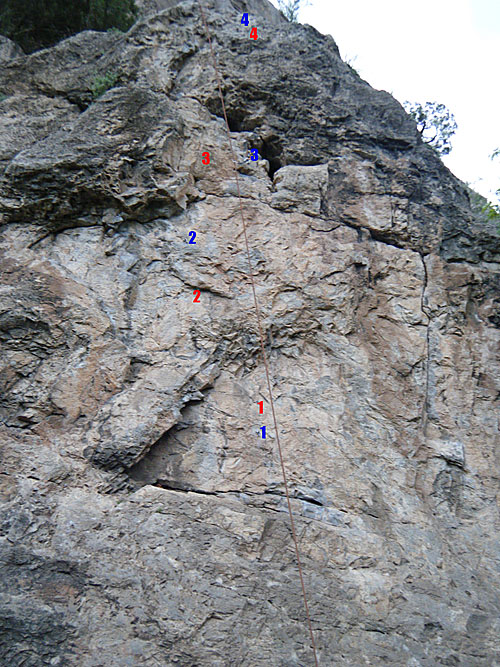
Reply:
x=236, y=118
x=75, y=99
x=271, y=151
x=308, y=499
x=183, y=488
x=382, y=238
x=164, y=484
x=362, y=232
x=145, y=470
x=324, y=231
x=133, y=372
x=495, y=318
x=235, y=121
x=129, y=466
x=367, y=233
x=426, y=311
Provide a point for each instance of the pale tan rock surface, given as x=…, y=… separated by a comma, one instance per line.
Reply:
x=143, y=516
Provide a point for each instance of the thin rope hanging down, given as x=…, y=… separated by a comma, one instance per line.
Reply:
x=261, y=336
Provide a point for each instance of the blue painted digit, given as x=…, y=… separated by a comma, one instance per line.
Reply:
x=254, y=154
x=263, y=430
x=244, y=19
x=192, y=241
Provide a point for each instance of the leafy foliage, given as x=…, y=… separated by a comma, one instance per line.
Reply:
x=486, y=210
x=477, y=202
x=493, y=210
x=435, y=123
x=35, y=24
x=290, y=8
x=102, y=83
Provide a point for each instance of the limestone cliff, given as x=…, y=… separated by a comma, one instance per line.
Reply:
x=143, y=518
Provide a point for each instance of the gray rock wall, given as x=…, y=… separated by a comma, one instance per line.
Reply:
x=143, y=516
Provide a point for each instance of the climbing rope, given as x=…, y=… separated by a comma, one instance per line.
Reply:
x=262, y=346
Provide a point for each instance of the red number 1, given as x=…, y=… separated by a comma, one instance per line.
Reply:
x=261, y=407
x=197, y=294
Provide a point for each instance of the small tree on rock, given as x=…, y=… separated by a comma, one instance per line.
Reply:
x=435, y=123
x=290, y=8
x=491, y=209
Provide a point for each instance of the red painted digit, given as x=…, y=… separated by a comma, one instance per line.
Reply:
x=197, y=294
x=253, y=33
x=261, y=407
x=205, y=157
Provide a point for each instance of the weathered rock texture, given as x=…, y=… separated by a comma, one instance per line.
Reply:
x=143, y=518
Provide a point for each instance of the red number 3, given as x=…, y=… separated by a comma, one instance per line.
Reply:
x=197, y=294
x=205, y=157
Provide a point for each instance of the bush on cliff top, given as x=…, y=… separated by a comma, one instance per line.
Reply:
x=102, y=83
x=435, y=123
x=35, y=24
x=290, y=9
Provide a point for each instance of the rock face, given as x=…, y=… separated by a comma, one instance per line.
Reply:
x=143, y=515
x=9, y=49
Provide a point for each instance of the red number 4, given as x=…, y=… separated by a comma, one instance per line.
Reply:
x=197, y=295
x=253, y=33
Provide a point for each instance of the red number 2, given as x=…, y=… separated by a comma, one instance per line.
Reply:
x=253, y=33
x=205, y=157
x=197, y=294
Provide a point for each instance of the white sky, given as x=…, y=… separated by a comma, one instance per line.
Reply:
x=444, y=51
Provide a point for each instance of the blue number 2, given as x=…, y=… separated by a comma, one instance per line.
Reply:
x=193, y=236
x=244, y=19
x=254, y=154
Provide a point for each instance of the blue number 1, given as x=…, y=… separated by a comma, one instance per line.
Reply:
x=263, y=429
x=192, y=241
x=244, y=19
x=254, y=154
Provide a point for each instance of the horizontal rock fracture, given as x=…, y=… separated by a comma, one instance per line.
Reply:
x=261, y=336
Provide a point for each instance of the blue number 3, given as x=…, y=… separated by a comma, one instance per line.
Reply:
x=254, y=154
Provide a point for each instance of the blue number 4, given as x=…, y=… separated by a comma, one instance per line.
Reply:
x=254, y=154
x=244, y=19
